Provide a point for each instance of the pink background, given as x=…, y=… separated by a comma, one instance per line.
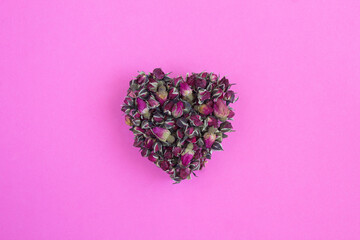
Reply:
x=67, y=166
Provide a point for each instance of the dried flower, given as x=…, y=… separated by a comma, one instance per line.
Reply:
x=178, y=109
x=186, y=91
x=209, y=137
x=221, y=110
x=205, y=109
x=128, y=120
x=163, y=134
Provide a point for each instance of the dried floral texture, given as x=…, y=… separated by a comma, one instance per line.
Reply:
x=178, y=122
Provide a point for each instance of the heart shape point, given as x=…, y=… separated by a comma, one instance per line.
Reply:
x=178, y=122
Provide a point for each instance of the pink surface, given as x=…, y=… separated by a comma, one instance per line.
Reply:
x=67, y=166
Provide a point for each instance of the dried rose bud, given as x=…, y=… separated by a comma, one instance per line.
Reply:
x=190, y=80
x=229, y=96
x=142, y=107
x=212, y=121
x=128, y=101
x=158, y=73
x=157, y=147
x=170, y=123
x=163, y=134
x=138, y=142
x=140, y=79
x=164, y=165
x=221, y=110
x=224, y=83
x=177, y=81
x=158, y=117
x=203, y=95
x=213, y=77
x=209, y=137
x=178, y=109
x=168, y=107
x=168, y=154
x=180, y=134
x=184, y=173
x=128, y=120
x=217, y=93
x=225, y=127
x=177, y=151
x=152, y=157
x=173, y=93
x=205, y=109
x=138, y=131
x=187, y=155
x=190, y=132
x=152, y=85
x=152, y=102
x=149, y=142
x=196, y=120
x=203, y=74
x=200, y=82
x=161, y=94
x=186, y=91
x=145, y=152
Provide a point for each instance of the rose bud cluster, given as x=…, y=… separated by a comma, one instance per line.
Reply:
x=178, y=122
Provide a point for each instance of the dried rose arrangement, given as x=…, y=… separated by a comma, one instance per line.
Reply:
x=178, y=122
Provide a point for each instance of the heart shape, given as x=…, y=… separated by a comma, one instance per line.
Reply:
x=178, y=122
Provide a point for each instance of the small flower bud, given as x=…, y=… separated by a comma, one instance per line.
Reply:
x=163, y=134
x=187, y=155
x=161, y=94
x=128, y=120
x=178, y=109
x=142, y=107
x=221, y=110
x=205, y=109
x=184, y=173
x=186, y=91
x=158, y=73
